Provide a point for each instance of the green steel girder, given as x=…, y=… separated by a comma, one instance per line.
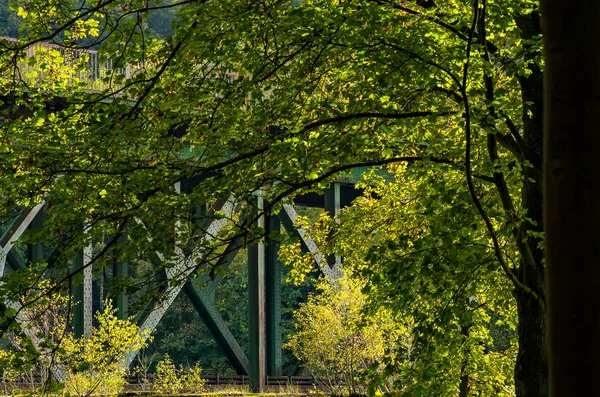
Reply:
x=161, y=279
x=77, y=296
x=207, y=216
x=15, y=261
x=231, y=251
x=257, y=349
x=14, y=232
x=288, y=224
x=288, y=216
x=332, y=201
x=273, y=299
x=120, y=269
x=82, y=294
x=201, y=292
x=203, y=302
x=180, y=269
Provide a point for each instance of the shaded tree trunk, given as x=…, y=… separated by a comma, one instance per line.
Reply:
x=531, y=369
x=572, y=194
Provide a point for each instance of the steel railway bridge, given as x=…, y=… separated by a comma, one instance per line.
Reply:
x=264, y=359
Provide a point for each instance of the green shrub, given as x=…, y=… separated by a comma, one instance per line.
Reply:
x=94, y=365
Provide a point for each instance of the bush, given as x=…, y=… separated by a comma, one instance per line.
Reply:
x=94, y=366
x=336, y=341
x=192, y=380
x=170, y=379
x=167, y=380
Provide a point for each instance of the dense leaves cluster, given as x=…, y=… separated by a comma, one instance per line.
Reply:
x=282, y=96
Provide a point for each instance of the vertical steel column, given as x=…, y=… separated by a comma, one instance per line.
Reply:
x=82, y=293
x=332, y=204
x=77, y=296
x=120, y=269
x=88, y=280
x=273, y=299
x=256, y=320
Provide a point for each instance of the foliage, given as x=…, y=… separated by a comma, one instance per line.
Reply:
x=334, y=339
x=94, y=365
x=7, y=372
x=440, y=284
x=192, y=380
x=184, y=337
x=167, y=378
x=42, y=326
x=448, y=95
x=170, y=379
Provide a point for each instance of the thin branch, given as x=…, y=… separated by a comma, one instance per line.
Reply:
x=420, y=58
x=429, y=18
x=374, y=115
x=500, y=181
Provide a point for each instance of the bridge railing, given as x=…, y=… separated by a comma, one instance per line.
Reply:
x=236, y=380
x=96, y=69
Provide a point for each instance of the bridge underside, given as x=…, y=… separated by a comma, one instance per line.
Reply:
x=264, y=357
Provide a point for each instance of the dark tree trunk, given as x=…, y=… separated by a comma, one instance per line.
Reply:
x=531, y=370
x=572, y=194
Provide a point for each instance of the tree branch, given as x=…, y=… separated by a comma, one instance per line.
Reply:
x=488, y=223
x=373, y=115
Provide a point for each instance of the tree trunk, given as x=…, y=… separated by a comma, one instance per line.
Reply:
x=531, y=369
x=572, y=194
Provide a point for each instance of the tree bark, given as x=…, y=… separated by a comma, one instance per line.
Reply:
x=531, y=369
x=572, y=194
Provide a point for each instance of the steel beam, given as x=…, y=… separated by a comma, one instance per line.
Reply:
x=332, y=198
x=273, y=299
x=15, y=231
x=120, y=270
x=77, y=298
x=288, y=216
x=178, y=273
x=223, y=263
x=88, y=283
x=201, y=292
x=257, y=317
x=202, y=300
x=7, y=242
x=15, y=261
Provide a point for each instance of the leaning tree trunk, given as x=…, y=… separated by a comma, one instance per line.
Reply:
x=572, y=194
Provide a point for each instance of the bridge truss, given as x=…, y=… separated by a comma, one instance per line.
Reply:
x=264, y=357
